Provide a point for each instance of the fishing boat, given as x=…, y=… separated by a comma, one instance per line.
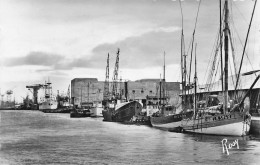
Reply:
x=117, y=108
x=96, y=110
x=79, y=113
x=48, y=103
x=165, y=117
x=123, y=111
x=167, y=121
x=126, y=111
x=82, y=111
x=152, y=106
x=171, y=122
x=229, y=118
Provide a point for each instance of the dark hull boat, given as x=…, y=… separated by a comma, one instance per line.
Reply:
x=128, y=113
x=107, y=114
x=59, y=110
x=170, y=122
x=78, y=113
x=139, y=120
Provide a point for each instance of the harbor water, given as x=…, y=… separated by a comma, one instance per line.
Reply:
x=33, y=137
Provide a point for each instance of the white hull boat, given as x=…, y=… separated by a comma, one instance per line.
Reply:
x=229, y=125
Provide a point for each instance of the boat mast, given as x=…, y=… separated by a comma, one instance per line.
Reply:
x=81, y=96
x=184, y=82
x=220, y=44
x=88, y=91
x=106, y=85
x=164, y=85
x=192, y=44
x=226, y=32
x=160, y=90
x=115, y=77
x=120, y=88
x=182, y=54
x=195, y=81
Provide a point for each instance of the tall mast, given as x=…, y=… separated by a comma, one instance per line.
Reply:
x=195, y=82
x=106, y=85
x=182, y=53
x=192, y=44
x=220, y=44
x=115, y=76
x=160, y=90
x=81, y=96
x=226, y=32
x=164, y=85
x=120, y=88
x=88, y=91
x=184, y=79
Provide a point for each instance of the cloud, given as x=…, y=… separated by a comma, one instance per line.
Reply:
x=35, y=58
x=139, y=51
x=142, y=51
x=156, y=29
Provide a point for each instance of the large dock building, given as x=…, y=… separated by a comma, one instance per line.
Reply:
x=85, y=90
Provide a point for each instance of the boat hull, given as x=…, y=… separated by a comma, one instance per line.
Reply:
x=48, y=105
x=107, y=114
x=170, y=122
x=79, y=113
x=126, y=113
x=229, y=125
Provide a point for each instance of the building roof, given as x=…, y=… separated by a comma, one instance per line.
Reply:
x=148, y=80
x=85, y=79
x=245, y=83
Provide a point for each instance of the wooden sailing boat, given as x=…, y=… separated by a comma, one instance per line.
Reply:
x=173, y=122
x=170, y=122
x=235, y=122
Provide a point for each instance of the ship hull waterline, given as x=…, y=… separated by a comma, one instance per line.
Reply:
x=228, y=125
x=171, y=123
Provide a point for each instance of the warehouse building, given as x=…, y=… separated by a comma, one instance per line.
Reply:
x=85, y=90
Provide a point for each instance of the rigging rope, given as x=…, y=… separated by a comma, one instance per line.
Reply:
x=245, y=43
x=193, y=38
x=240, y=41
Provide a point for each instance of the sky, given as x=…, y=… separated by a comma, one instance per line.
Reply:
x=65, y=39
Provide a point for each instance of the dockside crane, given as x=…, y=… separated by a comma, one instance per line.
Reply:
x=115, y=76
x=106, y=85
x=35, y=89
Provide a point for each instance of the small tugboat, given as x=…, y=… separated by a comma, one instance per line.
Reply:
x=78, y=113
x=83, y=111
